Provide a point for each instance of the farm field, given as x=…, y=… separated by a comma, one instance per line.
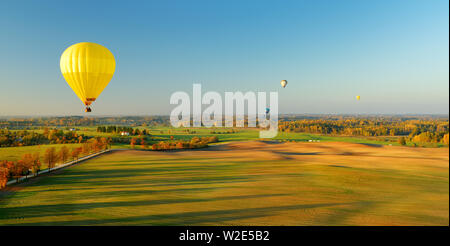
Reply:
x=244, y=134
x=164, y=134
x=242, y=183
x=240, y=134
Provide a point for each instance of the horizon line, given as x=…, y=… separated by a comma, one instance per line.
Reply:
x=283, y=114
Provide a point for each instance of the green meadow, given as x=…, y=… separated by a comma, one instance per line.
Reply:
x=242, y=134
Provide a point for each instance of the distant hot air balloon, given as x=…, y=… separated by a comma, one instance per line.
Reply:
x=283, y=83
x=358, y=98
x=267, y=110
x=87, y=68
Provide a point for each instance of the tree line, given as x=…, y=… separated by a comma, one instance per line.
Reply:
x=31, y=163
x=26, y=138
x=425, y=131
x=194, y=143
x=71, y=121
x=118, y=129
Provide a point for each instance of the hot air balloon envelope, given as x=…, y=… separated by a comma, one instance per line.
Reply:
x=358, y=98
x=87, y=68
x=283, y=83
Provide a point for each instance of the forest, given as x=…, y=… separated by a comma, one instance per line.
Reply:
x=413, y=130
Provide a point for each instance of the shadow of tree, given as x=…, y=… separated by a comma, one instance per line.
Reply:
x=187, y=218
x=72, y=208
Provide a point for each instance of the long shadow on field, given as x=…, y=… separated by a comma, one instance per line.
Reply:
x=341, y=215
x=114, y=177
x=193, y=218
x=372, y=145
x=172, y=162
x=297, y=153
x=86, y=181
x=149, y=169
x=73, y=208
x=125, y=193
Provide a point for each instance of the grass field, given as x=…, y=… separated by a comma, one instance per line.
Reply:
x=243, y=134
x=245, y=183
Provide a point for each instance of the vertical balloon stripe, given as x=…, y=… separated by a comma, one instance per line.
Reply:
x=67, y=66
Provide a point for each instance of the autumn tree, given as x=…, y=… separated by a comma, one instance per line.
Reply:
x=8, y=165
x=195, y=140
x=155, y=147
x=64, y=154
x=402, y=141
x=17, y=170
x=143, y=143
x=50, y=157
x=4, y=172
x=3, y=177
x=179, y=145
x=36, y=166
x=85, y=149
x=445, y=139
x=76, y=153
x=133, y=142
x=104, y=143
x=95, y=145
x=27, y=161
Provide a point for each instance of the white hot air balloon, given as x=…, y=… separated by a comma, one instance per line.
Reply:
x=283, y=83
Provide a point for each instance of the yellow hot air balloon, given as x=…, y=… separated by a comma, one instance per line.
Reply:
x=358, y=98
x=283, y=83
x=87, y=68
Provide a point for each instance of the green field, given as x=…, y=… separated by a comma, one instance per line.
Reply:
x=164, y=134
x=248, y=183
x=244, y=134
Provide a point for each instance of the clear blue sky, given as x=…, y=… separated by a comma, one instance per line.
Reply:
x=395, y=54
